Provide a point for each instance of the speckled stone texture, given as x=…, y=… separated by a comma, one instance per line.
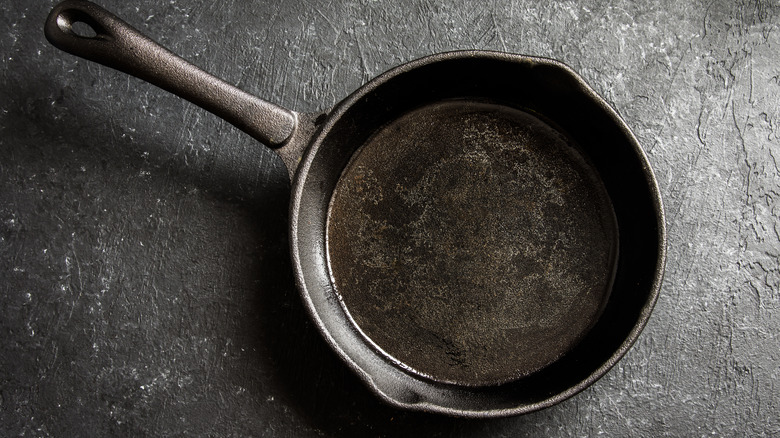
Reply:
x=145, y=287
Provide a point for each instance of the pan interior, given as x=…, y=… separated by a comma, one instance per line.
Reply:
x=471, y=243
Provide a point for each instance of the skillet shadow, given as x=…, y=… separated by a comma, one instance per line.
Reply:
x=311, y=379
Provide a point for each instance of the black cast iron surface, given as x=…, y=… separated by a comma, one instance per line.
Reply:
x=472, y=242
x=537, y=86
x=145, y=282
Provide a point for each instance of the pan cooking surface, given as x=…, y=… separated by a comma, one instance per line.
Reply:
x=471, y=243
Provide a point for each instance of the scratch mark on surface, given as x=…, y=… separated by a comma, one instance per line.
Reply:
x=363, y=66
x=744, y=151
x=498, y=32
x=78, y=275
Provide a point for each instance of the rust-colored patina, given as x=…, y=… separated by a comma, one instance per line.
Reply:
x=471, y=242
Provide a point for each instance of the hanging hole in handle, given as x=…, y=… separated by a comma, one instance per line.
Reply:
x=83, y=29
x=78, y=24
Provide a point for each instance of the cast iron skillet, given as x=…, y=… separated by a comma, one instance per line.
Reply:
x=474, y=233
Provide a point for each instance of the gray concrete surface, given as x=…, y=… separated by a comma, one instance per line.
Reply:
x=144, y=283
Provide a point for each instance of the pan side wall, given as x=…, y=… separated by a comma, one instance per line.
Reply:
x=554, y=93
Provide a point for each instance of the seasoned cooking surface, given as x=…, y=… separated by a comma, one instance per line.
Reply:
x=471, y=242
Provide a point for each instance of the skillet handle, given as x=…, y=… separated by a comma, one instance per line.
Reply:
x=118, y=45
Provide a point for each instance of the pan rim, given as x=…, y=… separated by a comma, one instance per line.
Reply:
x=298, y=188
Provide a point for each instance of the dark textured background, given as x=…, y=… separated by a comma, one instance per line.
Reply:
x=145, y=287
